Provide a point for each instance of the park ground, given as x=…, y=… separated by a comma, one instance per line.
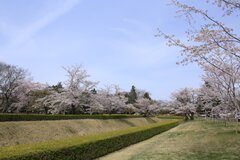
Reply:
x=195, y=140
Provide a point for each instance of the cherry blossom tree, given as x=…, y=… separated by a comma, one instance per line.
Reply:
x=61, y=103
x=130, y=109
x=10, y=79
x=226, y=86
x=208, y=98
x=211, y=38
x=184, y=102
x=112, y=99
x=146, y=107
x=215, y=46
x=97, y=103
x=23, y=95
x=74, y=98
x=78, y=79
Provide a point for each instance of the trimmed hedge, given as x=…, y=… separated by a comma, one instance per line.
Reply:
x=85, y=147
x=40, y=117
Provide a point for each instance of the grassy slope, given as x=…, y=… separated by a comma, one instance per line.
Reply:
x=12, y=133
x=195, y=140
x=79, y=146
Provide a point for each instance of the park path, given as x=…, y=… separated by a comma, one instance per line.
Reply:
x=153, y=148
x=195, y=140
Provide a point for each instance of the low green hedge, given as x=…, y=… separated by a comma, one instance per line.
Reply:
x=39, y=117
x=85, y=147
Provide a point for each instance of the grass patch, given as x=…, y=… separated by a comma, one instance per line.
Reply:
x=26, y=132
x=166, y=116
x=85, y=147
x=194, y=140
x=40, y=117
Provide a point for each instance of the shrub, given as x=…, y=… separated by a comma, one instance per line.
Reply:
x=39, y=117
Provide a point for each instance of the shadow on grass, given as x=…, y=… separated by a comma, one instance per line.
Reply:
x=128, y=122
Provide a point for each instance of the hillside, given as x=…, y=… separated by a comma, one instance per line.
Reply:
x=12, y=133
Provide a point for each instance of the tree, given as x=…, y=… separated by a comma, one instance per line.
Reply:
x=112, y=100
x=78, y=79
x=58, y=87
x=94, y=91
x=207, y=99
x=147, y=96
x=184, y=102
x=24, y=95
x=79, y=87
x=211, y=38
x=75, y=98
x=129, y=109
x=132, y=96
x=146, y=107
x=57, y=103
x=215, y=46
x=226, y=87
x=10, y=79
x=142, y=105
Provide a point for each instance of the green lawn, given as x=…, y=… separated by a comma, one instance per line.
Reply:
x=195, y=140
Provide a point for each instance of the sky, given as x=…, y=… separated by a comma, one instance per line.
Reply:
x=113, y=40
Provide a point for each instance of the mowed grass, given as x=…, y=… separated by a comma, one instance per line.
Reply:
x=25, y=132
x=195, y=140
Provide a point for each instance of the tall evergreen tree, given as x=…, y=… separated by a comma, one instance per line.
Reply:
x=147, y=96
x=132, y=96
x=94, y=91
x=58, y=87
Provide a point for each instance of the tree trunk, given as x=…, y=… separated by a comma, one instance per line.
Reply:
x=73, y=109
x=7, y=103
x=237, y=124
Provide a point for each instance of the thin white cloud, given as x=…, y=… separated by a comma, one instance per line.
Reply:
x=3, y=26
x=148, y=54
x=132, y=21
x=122, y=30
x=137, y=46
x=31, y=30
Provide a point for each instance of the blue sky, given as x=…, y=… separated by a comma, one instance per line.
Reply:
x=113, y=40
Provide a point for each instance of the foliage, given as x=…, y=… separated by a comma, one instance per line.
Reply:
x=214, y=44
x=77, y=95
x=147, y=96
x=75, y=99
x=145, y=107
x=10, y=79
x=132, y=96
x=26, y=94
x=184, y=102
x=58, y=87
